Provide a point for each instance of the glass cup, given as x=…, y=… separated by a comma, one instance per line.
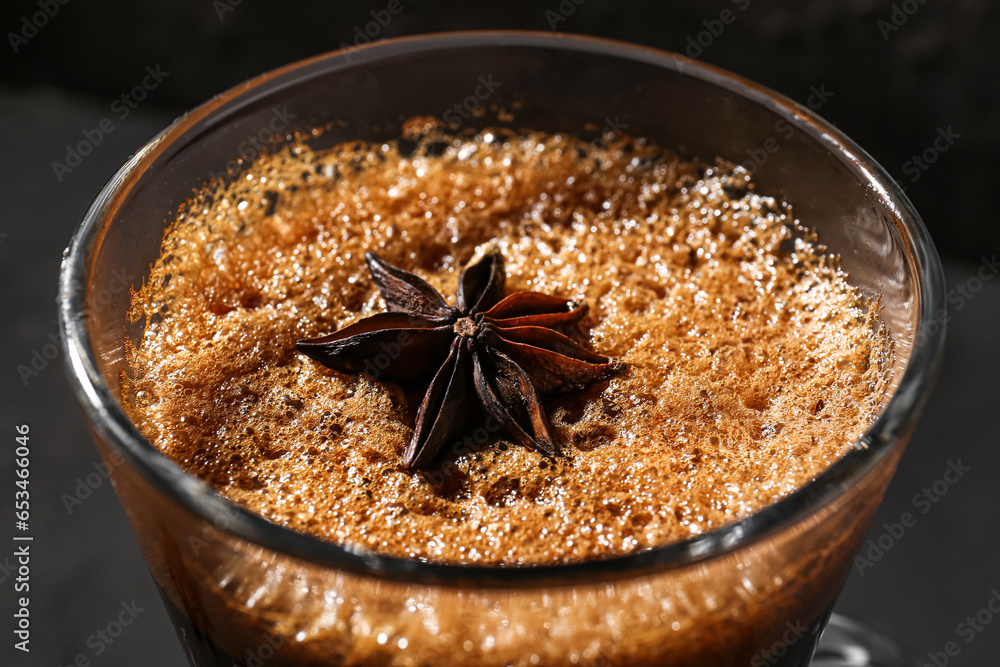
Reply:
x=247, y=592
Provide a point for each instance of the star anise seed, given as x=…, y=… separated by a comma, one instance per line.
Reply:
x=498, y=352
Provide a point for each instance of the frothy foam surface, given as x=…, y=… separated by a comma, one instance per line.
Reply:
x=751, y=364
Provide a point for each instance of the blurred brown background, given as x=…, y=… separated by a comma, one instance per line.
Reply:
x=900, y=72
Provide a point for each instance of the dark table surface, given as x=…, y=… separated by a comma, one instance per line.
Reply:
x=86, y=563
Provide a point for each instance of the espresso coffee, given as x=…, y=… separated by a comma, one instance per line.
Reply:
x=750, y=364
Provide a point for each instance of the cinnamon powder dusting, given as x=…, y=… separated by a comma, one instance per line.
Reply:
x=750, y=363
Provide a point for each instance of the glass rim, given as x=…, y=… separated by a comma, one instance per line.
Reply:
x=897, y=417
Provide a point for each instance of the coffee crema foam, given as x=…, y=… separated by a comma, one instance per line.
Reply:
x=751, y=364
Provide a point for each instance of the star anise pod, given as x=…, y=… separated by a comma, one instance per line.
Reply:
x=500, y=352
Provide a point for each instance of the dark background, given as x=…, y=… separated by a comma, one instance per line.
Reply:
x=901, y=75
